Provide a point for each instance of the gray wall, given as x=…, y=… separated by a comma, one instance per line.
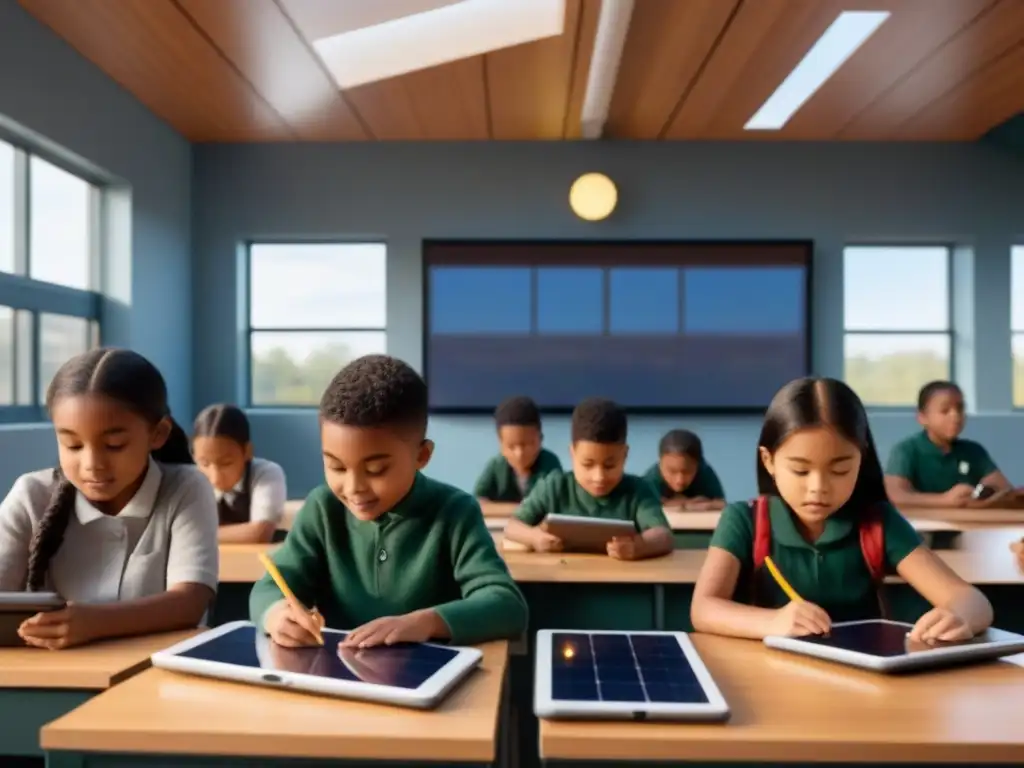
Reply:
x=48, y=93
x=404, y=193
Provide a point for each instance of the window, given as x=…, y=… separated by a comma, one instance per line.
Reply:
x=897, y=321
x=1017, y=325
x=655, y=326
x=49, y=310
x=313, y=308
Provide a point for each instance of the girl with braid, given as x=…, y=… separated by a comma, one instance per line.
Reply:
x=251, y=492
x=124, y=528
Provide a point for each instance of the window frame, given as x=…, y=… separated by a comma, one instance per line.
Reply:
x=20, y=292
x=246, y=366
x=949, y=332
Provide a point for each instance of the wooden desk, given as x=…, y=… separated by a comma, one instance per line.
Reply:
x=965, y=516
x=788, y=710
x=158, y=714
x=37, y=685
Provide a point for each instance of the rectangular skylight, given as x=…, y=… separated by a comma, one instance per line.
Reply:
x=845, y=35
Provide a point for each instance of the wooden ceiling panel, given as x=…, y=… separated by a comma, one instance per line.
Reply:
x=529, y=86
x=151, y=48
x=590, y=10
x=896, y=113
x=292, y=81
x=665, y=50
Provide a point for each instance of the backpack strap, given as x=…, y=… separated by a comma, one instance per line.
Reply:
x=762, y=542
x=871, y=531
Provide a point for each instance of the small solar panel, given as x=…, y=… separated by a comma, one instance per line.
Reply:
x=623, y=674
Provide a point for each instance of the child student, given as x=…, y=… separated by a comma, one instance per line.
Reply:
x=124, y=527
x=511, y=475
x=936, y=467
x=681, y=477
x=251, y=492
x=380, y=549
x=596, y=487
x=830, y=530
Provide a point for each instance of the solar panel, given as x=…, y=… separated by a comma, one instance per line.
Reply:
x=626, y=674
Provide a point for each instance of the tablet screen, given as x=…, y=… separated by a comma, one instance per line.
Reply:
x=879, y=638
x=398, y=666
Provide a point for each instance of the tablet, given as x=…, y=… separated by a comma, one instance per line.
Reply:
x=416, y=675
x=15, y=607
x=884, y=646
x=592, y=675
x=586, y=534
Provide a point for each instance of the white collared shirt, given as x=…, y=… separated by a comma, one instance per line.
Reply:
x=165, y=535
x=268, y=492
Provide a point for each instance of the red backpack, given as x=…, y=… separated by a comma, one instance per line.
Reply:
x=872, y=544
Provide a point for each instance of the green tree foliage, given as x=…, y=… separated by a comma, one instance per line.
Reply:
x=278, y=378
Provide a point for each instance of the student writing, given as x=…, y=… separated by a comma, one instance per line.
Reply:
x=522, y=462
x=124, y=527
x=682, y=478
x=596, y=487
x=381, y=549
x=817, y=467
x=936, y=467
x=251, y=492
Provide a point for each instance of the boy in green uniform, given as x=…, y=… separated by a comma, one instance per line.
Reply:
x=820, y=476
x=381, y=549
x=936, y=467
x=512, y=474
x=682, y=478
x=596, y=487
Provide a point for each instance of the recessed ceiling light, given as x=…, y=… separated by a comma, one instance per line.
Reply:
x=845, y=35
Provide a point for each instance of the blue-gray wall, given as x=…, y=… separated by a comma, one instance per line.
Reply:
x=404, y=193
x=48, y=90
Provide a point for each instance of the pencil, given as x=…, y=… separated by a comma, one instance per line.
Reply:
x=287, y=592
x=781, y=581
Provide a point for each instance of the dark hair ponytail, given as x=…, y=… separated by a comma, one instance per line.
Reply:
x=131, y=380
x=223, y=420
x=815, y=402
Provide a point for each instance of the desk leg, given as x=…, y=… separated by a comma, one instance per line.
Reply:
x=23, y=711
x=659, y=606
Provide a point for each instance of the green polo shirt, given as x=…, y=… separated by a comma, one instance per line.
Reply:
x=432, y=550
x=705, y=483
x=498, y=481
x=831, y=572
x=929, y=470
x=632, y=499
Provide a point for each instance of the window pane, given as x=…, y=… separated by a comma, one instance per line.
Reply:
x=570, y=300
x=59, y=236
x=23, y=339
x=889, y=369
x=644, y=301
x=1018, y=370
x=6, y=356
x=61, y=337
x=476, y=300
x=1017, y=290
x=294, y=367
x=318, y=285
x=896, y=288
x=743, y=300
x=6, y=207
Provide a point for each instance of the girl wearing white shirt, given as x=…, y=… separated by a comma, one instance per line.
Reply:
x=123, y=528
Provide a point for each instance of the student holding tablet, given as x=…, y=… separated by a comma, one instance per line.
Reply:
x=124, y=528
x=828, y=526
x=597, y=488
x=380, y=549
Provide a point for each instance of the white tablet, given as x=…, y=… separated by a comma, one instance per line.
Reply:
x=586, y=534
x=885, y=646
x=592, y=675
x=416, y=675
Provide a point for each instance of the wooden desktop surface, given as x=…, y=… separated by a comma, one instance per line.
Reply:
x=91, y=667
x=160, y=712
x=788, y=709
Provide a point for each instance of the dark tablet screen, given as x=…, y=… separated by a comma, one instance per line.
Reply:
x=879, y=638
x=398, y=666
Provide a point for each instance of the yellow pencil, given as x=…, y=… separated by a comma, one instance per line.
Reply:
x=781, y=581
x=288, y=594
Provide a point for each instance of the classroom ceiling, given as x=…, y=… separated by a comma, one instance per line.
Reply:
x=309, y=70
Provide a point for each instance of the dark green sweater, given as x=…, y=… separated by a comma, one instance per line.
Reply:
x=498, y=480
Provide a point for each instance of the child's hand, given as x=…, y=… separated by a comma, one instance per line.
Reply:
x=415, y=627
x=293, y=628
x=958, y=495
x=798, y=619
x=546, y=542
x=675, y=503
x=940, y=625
x=72, y=625
x=625, y=547
x=1018, y=550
